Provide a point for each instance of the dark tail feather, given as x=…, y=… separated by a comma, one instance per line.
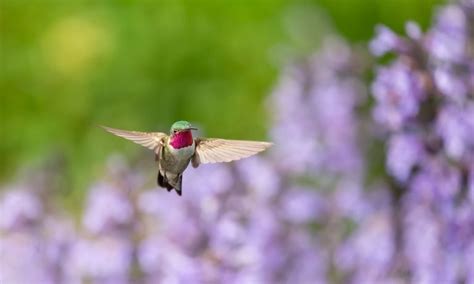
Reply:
x=163, y=182
x=179, y=185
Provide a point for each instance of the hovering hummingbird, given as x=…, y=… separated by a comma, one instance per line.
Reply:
x=173, y=152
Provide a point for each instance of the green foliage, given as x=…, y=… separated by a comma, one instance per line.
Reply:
x=67, y=67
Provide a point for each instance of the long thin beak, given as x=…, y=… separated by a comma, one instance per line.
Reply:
x=189, y=128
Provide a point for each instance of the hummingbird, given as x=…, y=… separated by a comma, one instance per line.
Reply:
x=175, y=151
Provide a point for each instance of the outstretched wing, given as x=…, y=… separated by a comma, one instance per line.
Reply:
x=213, y=150
x=151, y=140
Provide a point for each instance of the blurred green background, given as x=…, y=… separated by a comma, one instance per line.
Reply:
x=68, y=66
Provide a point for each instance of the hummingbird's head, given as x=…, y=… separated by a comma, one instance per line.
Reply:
x=180, y=126
x=181, y=135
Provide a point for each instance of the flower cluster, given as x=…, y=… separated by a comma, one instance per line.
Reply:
x=315, y=129
x=424, y=103
x=32, y=242
x=318, y=134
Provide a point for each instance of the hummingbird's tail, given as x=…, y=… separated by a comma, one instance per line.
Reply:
x=170, y=184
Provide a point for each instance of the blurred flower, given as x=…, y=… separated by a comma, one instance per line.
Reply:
x=230, y=244
x=422, y=245
x=19, y=207
x=316, y=134
x=455, y=125
x=453, y=86
x=301, y=205
x=104, y=260
x=59, y=234
x=315, y=125
x=23, y=259
x=398, y=91
x=261, y=176
x=429, y=118
x=31, y=247
x=385, y=41
x=413, y=30
x=404, y=88
x=448, y=39
x=403, y=153
x=107, y=208
x=370, y=251
x=469, y=258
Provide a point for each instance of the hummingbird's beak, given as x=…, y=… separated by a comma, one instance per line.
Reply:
x=192, y=128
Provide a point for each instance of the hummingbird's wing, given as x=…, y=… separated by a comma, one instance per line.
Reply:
x=214, y=150
x=151, y=140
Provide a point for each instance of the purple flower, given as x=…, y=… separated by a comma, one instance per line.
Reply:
x=260, y=176
x=436, y=180
x=107, y=208
x=315, y=125
x=413, y=30
x=296, y=153
x=385, y=41
x=289, y=94
x=370, y=250
x=422, y=244
x=58, y=236
x=19, y=207
x=24, y=259
x=162, y=261
x=453, y=86
x=208, y=180
x=403, y=153
x=469, y=258
x=425, y=108
x=106, y=259
x=455, y=125
x=448, y=39
x=349, y=200
x=398, y=91
x=301, y=205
